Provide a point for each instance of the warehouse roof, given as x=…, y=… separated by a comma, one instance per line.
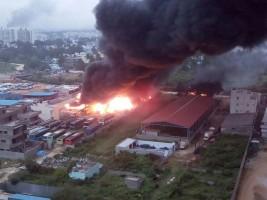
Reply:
x=8, y=102
x=183, y=112
x=26, y=197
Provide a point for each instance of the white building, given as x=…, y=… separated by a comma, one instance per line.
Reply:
x=264, y=125
x=244, y=101
x=85, y=170
x=144, y=147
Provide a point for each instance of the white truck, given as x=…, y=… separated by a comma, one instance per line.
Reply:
x=209, y=133
x=183, y=144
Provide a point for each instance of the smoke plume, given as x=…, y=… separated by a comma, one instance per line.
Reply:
x=235, y=69
x=26, y=15
x=140, y=38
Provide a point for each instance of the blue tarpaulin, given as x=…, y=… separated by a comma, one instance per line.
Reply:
x=4, y=102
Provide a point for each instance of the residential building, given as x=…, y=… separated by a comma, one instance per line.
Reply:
x=24, y=35
x=13, y=130
x=7, y=35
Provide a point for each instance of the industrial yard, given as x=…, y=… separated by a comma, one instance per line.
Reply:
x=161, y=100
x=151, y=147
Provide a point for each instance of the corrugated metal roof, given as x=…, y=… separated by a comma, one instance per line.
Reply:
x=183, y=112
x=26, y=197
x=37, y=94
x=8, y=102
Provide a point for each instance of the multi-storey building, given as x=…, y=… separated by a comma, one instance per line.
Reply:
x=244, y=101
x=13, y=130
x=24, y=35
x=7, y=35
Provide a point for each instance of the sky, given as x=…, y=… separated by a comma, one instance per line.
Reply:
x=48, y=14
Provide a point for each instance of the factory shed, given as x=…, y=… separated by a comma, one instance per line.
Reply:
x=8, y=102
x=241, y=124
x=181, y=119
x=41, y=95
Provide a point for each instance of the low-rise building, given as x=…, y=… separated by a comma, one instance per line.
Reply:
x=133, y=183
x=241, y=124
x=143, y=147
x=13, y=132
x=85, y=170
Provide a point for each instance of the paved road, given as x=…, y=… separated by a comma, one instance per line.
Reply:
x=254, y=182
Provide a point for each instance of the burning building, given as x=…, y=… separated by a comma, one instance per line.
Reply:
x=141, y=40
x=180, y=120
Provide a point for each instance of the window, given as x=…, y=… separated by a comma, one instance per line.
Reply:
x=3, y=141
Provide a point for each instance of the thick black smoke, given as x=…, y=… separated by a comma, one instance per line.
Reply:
x=142, y=37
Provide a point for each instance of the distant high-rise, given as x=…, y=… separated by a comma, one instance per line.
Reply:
x=24, y=35
x=7, y=35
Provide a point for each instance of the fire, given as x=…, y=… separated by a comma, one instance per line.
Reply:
x=116, y=104
x=192, y=93
x=78, y=96
x=69, y=107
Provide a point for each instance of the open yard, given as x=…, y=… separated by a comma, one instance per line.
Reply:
x=211, y=177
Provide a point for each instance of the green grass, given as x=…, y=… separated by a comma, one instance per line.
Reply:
x=221, y=161
x=7, y=67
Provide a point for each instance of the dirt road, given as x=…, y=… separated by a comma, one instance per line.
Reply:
x=254, y=182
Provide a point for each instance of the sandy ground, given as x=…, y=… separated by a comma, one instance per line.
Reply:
x=6, y=172
x=254, y=182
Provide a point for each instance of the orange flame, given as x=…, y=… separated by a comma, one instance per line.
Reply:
x=116, y=104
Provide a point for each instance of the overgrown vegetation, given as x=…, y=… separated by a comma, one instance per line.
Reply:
x=68, y=79
x=220, y=165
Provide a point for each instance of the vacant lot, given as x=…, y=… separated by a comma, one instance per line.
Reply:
x=7, y=68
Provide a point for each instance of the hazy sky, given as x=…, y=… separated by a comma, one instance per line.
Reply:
x=48, y=14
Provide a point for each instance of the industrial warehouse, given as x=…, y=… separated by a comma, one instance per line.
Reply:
x=180, y=120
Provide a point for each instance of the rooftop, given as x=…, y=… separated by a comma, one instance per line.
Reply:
x=84, y=166
x=41, y=94
x=8, y=102
x=183, y=112
x=26, y=197
x=239, y=120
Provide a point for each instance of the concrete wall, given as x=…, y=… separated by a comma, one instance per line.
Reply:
x=162, y=153
x=12, y=155
x=19, y=155
x=33, y=189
